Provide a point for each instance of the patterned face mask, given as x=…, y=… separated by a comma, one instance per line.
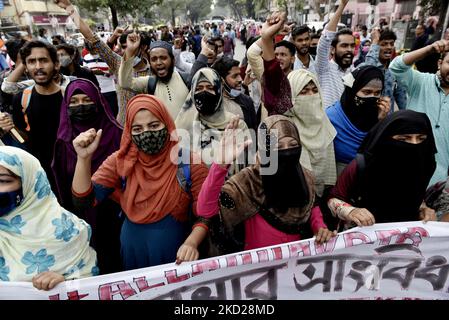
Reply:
x=151, y=142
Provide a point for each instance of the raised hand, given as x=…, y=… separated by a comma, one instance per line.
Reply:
x=132, y=45
x=273, y=24
x=87, y=143
x=384, y=105
x=440, y=46
x=118, y=32
x=375, y=36
x=205, y=50
x=231, y=145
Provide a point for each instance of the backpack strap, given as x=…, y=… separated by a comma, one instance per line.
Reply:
x=185, y=78
x=186, y=173
x=26, y=98
x=151, y=86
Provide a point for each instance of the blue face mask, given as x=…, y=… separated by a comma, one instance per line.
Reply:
x=235, y=93
x=9, y=201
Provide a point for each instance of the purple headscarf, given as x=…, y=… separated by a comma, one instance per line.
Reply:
x=64, y=159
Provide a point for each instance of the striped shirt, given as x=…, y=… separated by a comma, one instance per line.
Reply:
x=329, y=72
x=114, y=60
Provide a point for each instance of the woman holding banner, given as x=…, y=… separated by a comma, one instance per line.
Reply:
x=154, y=189
x=39, y=240
x=387, y=180
x=271, y=201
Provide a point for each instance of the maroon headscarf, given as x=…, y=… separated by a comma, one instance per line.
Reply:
x=64, y=159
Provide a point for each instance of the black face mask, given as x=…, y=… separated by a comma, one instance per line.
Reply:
x=312, y=51
x=83, y=112
x=287, y=188
x=366, y=113
x=206, y=103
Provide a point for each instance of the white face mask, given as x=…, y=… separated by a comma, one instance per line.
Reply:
x=65, y=61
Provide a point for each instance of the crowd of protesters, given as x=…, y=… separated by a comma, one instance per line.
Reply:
x=160, y=147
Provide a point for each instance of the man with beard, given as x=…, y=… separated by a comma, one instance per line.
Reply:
x=301, y=39
x=341, y=45
x=169, y=85
x=380, y=54
x=69, y=59
x=429, y=93
x=314, y=39
x=40, y=119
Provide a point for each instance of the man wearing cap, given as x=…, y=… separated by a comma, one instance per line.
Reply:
x=169, y=85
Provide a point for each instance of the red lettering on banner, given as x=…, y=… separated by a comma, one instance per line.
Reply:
x=205, y=266
x=246, y=258
x=385, y=236
x=327, y=247
x=109, y=290
x=142, y=284
x=297, y=248
x=172, y=276
x=231, y=261
x=277, y=253
x=263, y=255
x=350, y=238
x=415, y=234
x=72, y=295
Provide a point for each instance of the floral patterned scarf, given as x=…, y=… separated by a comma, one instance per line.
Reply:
x=39, y=235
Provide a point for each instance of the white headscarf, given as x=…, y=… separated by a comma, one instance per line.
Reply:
x=315, y=129
x=39, y=235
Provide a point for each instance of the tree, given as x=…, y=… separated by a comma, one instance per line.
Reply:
x=198, y=9
x=238, y=7
x=316, y=4
x=435, y=7
x=132, y=7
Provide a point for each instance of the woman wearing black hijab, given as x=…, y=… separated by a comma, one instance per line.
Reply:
x=388, y=179
x=358, y=110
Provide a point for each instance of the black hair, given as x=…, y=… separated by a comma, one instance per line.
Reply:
x=212, y=43
x=218, y=38
x=122, y=38
x=145, y=39
x=13, y=47
x=250, y=41
x=299, y=31
x=42, y=32
x=364, y=28
x=59, y=38
x=26, y=50
x=290, y=46
x=67, y=47
x=387, y=35
x=315, y=36
x=224, y=65
x=344, y=31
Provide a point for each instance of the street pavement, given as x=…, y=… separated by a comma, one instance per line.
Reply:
x=240, y=50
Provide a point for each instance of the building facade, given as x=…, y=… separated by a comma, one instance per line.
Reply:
x=31, y=15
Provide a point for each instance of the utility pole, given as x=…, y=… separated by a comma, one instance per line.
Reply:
x=373, y=4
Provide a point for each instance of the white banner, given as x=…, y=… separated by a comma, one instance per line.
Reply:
x=386, y=261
